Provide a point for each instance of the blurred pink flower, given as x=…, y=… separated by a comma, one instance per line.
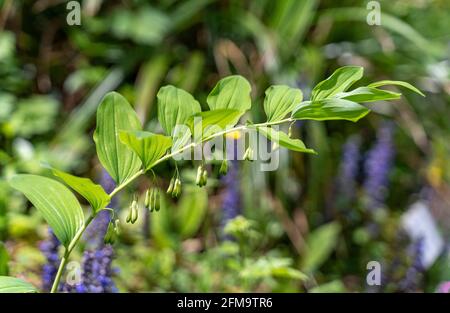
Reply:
x=444, y=287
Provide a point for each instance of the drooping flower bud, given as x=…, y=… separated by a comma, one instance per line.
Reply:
x=171, y=185
x=223, y=167
x=198, y=180
x=134, y=212
x=176, y=188
x=147, y=199
x=110, y=236
x=156, y=200
x=204, y=177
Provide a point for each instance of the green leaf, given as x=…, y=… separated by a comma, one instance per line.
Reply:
x=284, y=140
x=232, y=92
x=368, y=94
x=398, y=83
x=330, y=109
x=114, y=114
x=271, y=267
x=339, y=81
x=321, y=242
x=192, y=211
x=209, y=122
x=148, y=146
x=10, y=284
x=175, y=106
x=93, y=193
x=181, y=136
x=4, y=259
x=280, y=100
x=335, y=286
x=59, y=207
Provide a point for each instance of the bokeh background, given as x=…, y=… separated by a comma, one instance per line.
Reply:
x=314, y=224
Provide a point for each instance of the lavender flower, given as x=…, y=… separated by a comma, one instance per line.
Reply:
x=349, y=167
x=97, y=271
x=49, y=248
x=377, y=166
x=231, y=196
x=413, y=274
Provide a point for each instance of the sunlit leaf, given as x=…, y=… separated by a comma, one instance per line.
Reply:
x=114, y=114
x=398, y=83
x=210, y=122
x=232, y=92
x=284, y=140
x=280, y=101
x=175, y=106
x=330, y=109
x=368, y=94
x=339, y=81
x=59, y=207
x=15, y=285
x=93, y=193
x=148, y=146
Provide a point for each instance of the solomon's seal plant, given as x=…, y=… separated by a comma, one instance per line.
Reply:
x=126, y=151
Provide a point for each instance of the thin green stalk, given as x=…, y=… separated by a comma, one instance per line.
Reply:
x=67, y=253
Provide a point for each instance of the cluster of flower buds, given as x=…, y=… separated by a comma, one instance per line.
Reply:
x=152, y=199
x=112, y=232
x=223, y=170
x=174, y=187
x=133, y=213
x=202, y=176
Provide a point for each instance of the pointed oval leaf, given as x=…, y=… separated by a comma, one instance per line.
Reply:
x=321, y=242
x=284, y=140
x=175, y=106
x=232, y=92
x=59, y=207
x=339, y=81
x=330, y=109
x=208, y=123
x=368, y=94
x=398, y=83
x=114, y=114
x=93, y=193
x=10, y=284
x=148, y=146
x=280, y=100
